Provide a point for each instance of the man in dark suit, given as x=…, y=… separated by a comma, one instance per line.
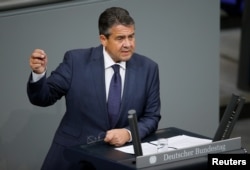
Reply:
x=83, y=78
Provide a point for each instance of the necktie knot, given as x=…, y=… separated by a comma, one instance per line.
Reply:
x=116, y=68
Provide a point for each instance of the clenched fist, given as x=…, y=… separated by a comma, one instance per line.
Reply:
x=38, y=61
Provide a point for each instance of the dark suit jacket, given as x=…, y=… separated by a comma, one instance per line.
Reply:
x=81, y=79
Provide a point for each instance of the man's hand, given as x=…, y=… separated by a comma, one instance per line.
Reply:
x=117, y=137
x=38, y=61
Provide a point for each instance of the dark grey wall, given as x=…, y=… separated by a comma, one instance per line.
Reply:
x=182, y=36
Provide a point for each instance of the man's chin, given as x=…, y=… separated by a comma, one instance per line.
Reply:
x=126, y=58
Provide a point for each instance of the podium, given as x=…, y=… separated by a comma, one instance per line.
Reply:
x=101, y=156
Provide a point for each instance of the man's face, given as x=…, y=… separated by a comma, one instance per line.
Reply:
x=120, y=45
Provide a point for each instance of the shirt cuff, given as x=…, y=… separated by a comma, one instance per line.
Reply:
x=130, y=136
x=36, y=77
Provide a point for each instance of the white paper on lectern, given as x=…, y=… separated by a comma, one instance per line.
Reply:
x=178, y=142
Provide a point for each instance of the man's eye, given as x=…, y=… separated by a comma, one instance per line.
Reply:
x=131, y=37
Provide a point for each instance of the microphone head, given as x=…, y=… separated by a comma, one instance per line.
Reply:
x=131, y=112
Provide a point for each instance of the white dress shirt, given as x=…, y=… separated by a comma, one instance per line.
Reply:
x=108, y=62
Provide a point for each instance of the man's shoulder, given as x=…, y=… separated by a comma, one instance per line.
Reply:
x=143, y=58
x=84, y=54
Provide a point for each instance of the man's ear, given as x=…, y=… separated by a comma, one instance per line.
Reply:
x=103, y=40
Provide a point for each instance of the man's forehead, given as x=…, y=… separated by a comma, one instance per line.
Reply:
x=122, y=30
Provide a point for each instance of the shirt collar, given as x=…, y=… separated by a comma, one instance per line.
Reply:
x=108, y=62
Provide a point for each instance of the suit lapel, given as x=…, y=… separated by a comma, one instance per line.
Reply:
x=129, y=82
x=98, y=76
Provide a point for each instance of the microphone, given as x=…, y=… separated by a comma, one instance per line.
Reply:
x=134, y=132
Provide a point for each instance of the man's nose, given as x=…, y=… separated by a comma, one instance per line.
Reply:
x=126, y=42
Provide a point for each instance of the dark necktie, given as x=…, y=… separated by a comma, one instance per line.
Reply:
x=114, y=98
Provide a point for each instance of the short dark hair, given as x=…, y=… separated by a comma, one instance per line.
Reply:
x=113, y=16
